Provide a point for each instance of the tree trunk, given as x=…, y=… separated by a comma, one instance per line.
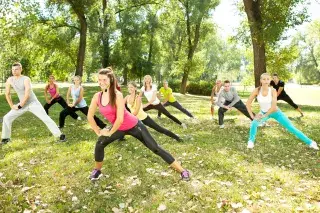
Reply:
x=191, y=48
x=82, y=46
x=105, y=36
x=253, y=11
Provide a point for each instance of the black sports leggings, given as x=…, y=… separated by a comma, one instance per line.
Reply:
x=163, y=110
x=152, y=124
x=287, y=99
x=60, y=100
x=177, y=105
x=72, y=112
x=141, y=133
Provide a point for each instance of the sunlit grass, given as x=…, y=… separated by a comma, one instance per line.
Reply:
x=281, y=174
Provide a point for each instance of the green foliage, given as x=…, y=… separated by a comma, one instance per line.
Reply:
x=200, y=88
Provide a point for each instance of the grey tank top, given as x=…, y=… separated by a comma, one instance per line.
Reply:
x=18, y=86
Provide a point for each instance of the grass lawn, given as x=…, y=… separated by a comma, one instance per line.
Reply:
x=281, y=174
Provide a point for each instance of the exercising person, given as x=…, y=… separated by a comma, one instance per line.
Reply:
x=170, y=100
x=78, y=104
x=53, y=89
x=150, y=92
x=267, y=98
x=133, y=102
x=281, y=94
x=111, y=105
x=214, y=94
x=27, y=102
x=232, y=100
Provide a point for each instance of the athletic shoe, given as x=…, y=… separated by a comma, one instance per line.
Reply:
x=185, y=175
x=5, y=141
x=221, y=126
x=314, y=145
x=250, y=145
x=95, y=175
x=79, y=118
x=179, y=139
x=158, y=117
x=301, y=115
x=62, y=138
x=211, y=118
x=184, y=125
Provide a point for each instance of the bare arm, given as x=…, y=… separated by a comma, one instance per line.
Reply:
x=68, y=95
x=253, y=95
x=27, y=86
x=45, y=93
x=57, y=92
x=279, y=91
x=154, y=96
x=8, y=94
x=273, y=103
x=91, y=112
x=137, y=106
x=212, y=94
x=80, y=97
x=120, y=113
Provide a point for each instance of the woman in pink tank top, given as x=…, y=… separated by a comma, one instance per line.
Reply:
x=111, y=105
x=53, y=89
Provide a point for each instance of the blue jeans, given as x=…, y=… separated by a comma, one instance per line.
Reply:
x=284, y=121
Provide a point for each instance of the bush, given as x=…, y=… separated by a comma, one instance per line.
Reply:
x=174, y=85
x=202, y=88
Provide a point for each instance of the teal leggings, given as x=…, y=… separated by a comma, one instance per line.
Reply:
x=284, y=121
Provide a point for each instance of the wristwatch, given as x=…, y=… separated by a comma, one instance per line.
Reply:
x=19, y=107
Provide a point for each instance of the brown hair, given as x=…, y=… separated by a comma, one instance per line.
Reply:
x=112, y=89
x=17, y=64
x=275, y=74
x=226, y=82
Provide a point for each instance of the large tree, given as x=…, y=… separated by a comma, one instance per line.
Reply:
x=195, y=11
x=268, y=20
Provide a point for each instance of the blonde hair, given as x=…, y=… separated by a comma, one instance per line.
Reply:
x=144, y=81
x=264, y=74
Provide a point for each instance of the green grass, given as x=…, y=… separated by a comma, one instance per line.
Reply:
x=280, y=174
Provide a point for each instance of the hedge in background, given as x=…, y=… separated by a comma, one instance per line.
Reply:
x=195, y=88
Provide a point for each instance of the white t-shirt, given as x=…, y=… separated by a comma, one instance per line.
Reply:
x=149, y=94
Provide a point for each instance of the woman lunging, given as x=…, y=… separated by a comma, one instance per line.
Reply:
x=267, y=98
x=111, y=105
x=133, y=102
x=78, y=104
x=150, y=92
x=53, y=89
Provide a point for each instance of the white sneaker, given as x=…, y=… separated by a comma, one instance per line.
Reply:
x=79, y=118
x=211, y=118
x=250, y=145
x=221, y=126
x=314, y=145
x=184, y=125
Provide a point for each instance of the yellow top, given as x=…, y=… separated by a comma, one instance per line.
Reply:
x=167, y=93
x=141, y=114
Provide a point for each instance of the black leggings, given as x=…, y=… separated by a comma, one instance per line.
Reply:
x=163, y=110
x=287, y=99
x=152, y=124
x=177, y=105
x=72, y=112
x=239, y=106
x=141, y=133
x=60, y=100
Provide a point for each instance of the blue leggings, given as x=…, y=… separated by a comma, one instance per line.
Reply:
x=284, y=121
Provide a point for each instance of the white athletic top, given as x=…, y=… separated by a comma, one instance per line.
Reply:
x=265, y=101
x=149, y=94
x=75, y=93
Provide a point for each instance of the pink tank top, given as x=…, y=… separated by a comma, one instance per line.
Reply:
x=52, y=91
x=110, y=113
